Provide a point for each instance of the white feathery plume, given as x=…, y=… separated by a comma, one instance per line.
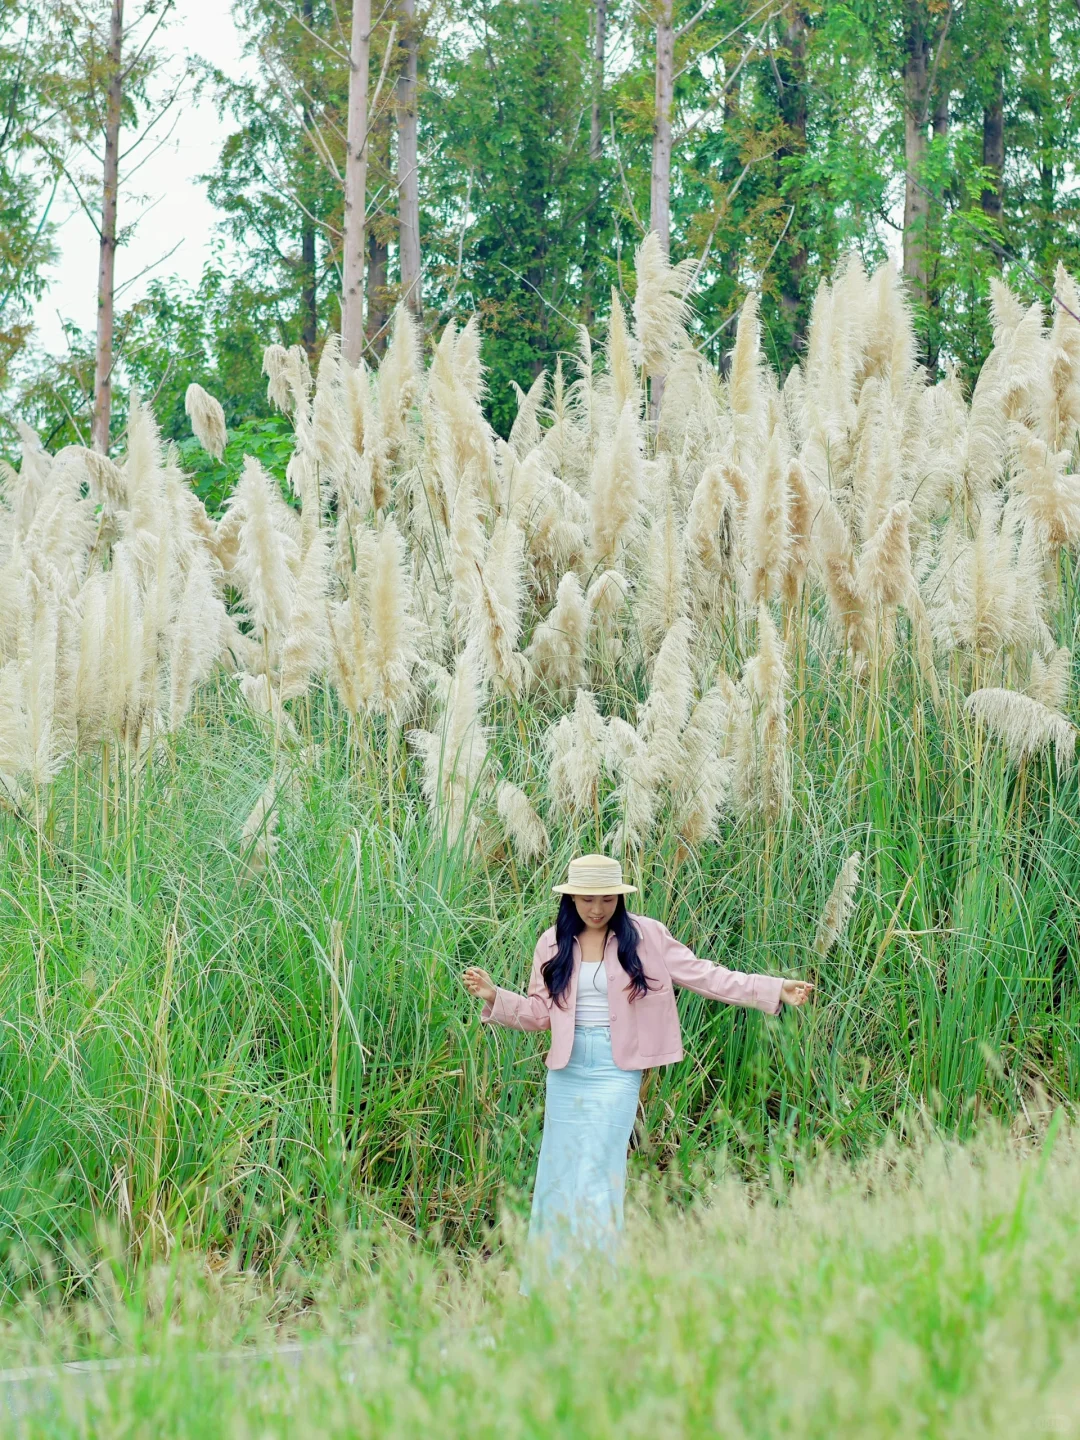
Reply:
x=660, y=306
x=467, y=547
x=838, y=907
x=1048, y=495
x=1019, y=344
x=553, y=516
x=615, y=502
x=765, y=679
x=668, y=704
x=890, y=335
x=495, y=622
x=745, y=388
x=14, y=748
x=391, y=653
x=606, y=598
x=265, y=554
x=557, y=651
x=39, y=659
x=884, y=574
x=63, y=526
x=801, y=508
x=262, y=697
x=297, y=375
x=575, y=749
x=468, y=368
x=663, y=598
x=142, y=472
x=258, y=837
x=356, y=400
x=330, y=421
x=766, y=532
x=27, y=488
x=836, y=561
x=399, y=378
x=126, y=696
x=638, y=797
x=453, y=754
x=1061, y=422
x=702, y=784
x=1024, y=726
x=196, y=638
x=90, y=678
x=1049, y=680
x=274, y=363
x=622, y=372
x=307, y=639
x=522, y=824
x=108, y=486
x=708, y=524
x=207, y=420
x=525, y=433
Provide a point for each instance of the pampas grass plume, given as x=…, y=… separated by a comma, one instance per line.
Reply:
x=1024, y=726
x=207, y=420
x=615, y=501
x=838, y=907
x=391, y=653
x=523, y=825
x=660, y=307
x=557, y=649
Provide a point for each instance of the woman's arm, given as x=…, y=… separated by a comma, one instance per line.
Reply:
x=757, y=992
x=531, y=1011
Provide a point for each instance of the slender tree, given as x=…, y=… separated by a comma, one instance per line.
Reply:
x=356, y=161
x=664, y=97
x=103, y=350
x=408, y=178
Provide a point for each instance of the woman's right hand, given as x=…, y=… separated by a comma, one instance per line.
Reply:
x=478, y=982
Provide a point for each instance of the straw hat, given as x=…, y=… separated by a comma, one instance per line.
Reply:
x=594, y=875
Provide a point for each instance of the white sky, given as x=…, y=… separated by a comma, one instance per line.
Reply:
x=182, y=212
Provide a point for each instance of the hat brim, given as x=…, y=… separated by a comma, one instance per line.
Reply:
x=594, y=890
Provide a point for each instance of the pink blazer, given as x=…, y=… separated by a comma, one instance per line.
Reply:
x=644, y=1032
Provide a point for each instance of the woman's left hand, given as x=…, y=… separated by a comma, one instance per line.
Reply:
x=796, y=992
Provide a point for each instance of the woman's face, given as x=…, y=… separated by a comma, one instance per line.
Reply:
x=596, y=910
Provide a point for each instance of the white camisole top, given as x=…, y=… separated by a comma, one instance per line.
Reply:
x=592, y=995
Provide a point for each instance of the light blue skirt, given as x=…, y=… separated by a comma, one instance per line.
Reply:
x=589, y=1113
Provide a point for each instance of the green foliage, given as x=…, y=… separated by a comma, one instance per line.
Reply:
x=209, y=1048
x=928, y=1291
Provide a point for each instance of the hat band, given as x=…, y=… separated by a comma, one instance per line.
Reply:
x=595, y=877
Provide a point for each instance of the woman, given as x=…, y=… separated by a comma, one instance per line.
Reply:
x=602, y=983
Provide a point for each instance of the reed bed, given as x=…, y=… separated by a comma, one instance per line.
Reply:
x=800, y=653
x=930, y=1289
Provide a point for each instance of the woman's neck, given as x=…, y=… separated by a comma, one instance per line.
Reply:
x=592, y=944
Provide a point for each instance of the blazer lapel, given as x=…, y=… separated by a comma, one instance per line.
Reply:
x=571, y=994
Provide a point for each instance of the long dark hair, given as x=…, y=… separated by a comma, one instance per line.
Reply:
x=568, y=926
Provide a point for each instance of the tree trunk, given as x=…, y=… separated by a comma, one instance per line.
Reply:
x=309, y=309
x=1047, y=130
x=916, y=200
x=791, y=103
x=408, y=178
x=596, y=130
x=933, y=246
x=993, y=149
x=103, y=356
x=660, y=193
x=309, y=312
x=356, y=158
x=377, y=309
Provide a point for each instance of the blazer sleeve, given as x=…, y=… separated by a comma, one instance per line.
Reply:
x=757, y=992
x=531, y=1011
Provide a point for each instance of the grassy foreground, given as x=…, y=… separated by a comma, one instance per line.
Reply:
x=201, y=1051
x=933, y=1289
